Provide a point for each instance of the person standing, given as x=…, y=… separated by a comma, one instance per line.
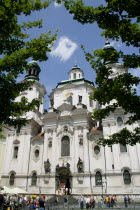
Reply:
x=125, y=201
x=112, y=202
x=81, y=201
x=41, y=204
x=88, y=202
x=92, y=199
x=107, y=201
x=1, y=201
x=65, y=202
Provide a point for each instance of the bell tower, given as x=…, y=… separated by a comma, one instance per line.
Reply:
x=33, y=71
x=75, y=73
x=37, y=90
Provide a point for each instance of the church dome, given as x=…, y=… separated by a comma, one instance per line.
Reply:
x=75, y=73
x=112, y=54
x=33, y=71
x=108, y=46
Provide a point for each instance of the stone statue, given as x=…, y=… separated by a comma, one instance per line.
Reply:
x=80, y=99
x=57, y=167
x=51, y=102
x=47, y=166
x=80, y=166
x=68, y=165
x=65, y=128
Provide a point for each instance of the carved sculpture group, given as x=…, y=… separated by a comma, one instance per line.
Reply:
x=47, y=166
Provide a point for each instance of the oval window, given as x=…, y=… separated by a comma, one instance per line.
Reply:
x=97, y=149
x=36, y=153
x=119, y=121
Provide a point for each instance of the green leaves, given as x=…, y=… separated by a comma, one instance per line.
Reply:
x=15, y=49
x=123, y=137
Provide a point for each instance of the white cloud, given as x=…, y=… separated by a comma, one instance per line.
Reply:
x=57, y=5
x=116, y=44
x=64, y=49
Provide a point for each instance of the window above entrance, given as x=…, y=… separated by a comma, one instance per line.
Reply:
x=65, y=146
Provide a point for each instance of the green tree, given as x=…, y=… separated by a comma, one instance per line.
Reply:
x=16, y=47
x=119, y=20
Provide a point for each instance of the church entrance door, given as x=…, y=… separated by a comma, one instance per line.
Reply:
x=63, y=181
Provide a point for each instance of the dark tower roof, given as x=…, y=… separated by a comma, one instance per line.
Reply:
x=33, y=71
x=112, y=53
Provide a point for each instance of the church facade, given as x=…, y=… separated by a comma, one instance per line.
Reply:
x=57, y=152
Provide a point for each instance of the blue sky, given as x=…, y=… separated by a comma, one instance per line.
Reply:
x=67, y=48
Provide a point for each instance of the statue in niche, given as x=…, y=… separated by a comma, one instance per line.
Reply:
x=47, y=166
x=80, y=166
x=65, y=128
x=81, y=142
x=80, y=99
x=68, y=165
x=50, y=144
x=51, y=102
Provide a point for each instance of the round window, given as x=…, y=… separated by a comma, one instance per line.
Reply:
x=97, y=149
x=36, y=153
x=119, y=121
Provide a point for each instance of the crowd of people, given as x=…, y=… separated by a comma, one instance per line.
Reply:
x=17, y=202
x=89, y=202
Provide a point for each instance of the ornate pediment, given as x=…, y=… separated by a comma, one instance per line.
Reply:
x=64, y=129
x=65, y=107
x=65, y=113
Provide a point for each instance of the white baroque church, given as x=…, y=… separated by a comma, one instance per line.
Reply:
x=58, y=149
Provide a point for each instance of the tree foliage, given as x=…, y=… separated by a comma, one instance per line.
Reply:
x=120, y=22
x=16, y=47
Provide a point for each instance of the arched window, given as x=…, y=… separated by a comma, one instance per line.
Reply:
x=65, y=146
x=15, y=155
x=35, y=72
x=34, y=179
x=12, y=179
x=70, y=100
x=98, y=178
x=90, y=103
x=119, y=121
x=123, y=148
x=74, y=76
x=126, y=177
x=30, y=72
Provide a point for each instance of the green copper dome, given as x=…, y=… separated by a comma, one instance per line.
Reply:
x=108, y=46
x=111, y=55
x=33, y=71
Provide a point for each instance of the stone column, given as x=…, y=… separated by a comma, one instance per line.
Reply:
x=86, y=150
x=75, y=154
x=45, y=155
x=54, y=151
